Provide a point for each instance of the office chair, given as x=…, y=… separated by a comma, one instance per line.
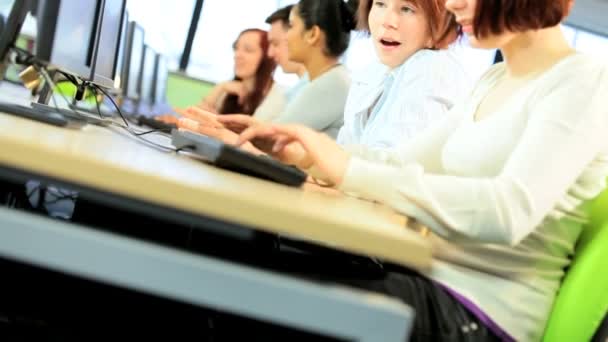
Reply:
x=582, y=300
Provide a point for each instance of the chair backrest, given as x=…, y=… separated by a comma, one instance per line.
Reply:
x=582, y=300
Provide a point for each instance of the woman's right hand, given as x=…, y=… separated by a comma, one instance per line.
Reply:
x=300, y=146
x=235, y=88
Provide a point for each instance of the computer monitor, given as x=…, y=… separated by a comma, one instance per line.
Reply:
x=160, y=80
x=134, y=53
x=66, y=35
x=11, y=29
x=108, y=43
x=118, y=83
x=146, y=79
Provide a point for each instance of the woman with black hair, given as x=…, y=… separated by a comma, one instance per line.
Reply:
x=318, y=35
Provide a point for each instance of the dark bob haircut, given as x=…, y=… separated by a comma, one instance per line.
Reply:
x=497, y=16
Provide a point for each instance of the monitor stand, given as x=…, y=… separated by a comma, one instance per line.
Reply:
x=69, y=113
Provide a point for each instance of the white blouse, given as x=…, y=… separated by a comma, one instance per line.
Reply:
x=387, y=108
x=504, y=193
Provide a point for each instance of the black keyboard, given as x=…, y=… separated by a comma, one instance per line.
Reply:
x=48, y=117
x=235, y=159
x=155, y=124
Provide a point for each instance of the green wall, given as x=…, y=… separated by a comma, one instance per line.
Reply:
x=184, y=91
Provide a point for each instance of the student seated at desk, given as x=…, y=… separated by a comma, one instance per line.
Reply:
x=279, y=52
x=500, y=181
x=318, y=35
x=417, y=79
x=252, y=84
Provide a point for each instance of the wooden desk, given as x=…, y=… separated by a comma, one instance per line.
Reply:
x=112, y=161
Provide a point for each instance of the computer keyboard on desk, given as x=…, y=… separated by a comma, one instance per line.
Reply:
x=48, y=117
x=155, y=124
x=235, y=159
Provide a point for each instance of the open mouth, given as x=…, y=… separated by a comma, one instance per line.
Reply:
x=389, y=43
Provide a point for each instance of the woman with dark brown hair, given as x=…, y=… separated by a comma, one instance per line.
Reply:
x=500, y=182
x=253, y=71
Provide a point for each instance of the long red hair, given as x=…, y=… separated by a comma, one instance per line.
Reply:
x=263, y=81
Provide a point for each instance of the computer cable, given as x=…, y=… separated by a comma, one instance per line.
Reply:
x=127, y=127
x=26, y=58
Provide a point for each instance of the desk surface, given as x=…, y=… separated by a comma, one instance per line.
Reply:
x=113, y=161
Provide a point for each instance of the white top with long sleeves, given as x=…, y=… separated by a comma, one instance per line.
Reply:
x=386, y=108
x=504, y=193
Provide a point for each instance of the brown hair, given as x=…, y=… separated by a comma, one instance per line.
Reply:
x=442, y=24
x=281, y=15
x=263, y=81
x=494, y=17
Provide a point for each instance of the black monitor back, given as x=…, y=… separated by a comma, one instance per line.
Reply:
x=146, y=76
x=120, y=56
x=66, y=35
x=11, y=28
x=161, y=77
x=108, y=42
x=133, y=56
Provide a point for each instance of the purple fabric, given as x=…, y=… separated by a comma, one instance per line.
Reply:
x=476, y=311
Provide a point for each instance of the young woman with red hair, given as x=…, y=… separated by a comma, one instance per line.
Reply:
x=252, y=82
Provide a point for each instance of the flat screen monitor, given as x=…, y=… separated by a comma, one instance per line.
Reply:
x=160, y=80
x=67, y=32
x=118, y=84
x=146, y=80
x=133, y=56
x=104, y=68
x=11, y=28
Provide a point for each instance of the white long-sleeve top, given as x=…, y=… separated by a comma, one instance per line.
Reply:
x=386, y=108
x=502, y=194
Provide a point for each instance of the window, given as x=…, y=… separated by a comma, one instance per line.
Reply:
x=220, y=24
x=166, y=24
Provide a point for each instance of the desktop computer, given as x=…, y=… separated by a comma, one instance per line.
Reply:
x=161, y=76
x=72, y=37
x=67, y=34
x=11, y=29
x=146, y=81
x=131, y=66
x=108, y=43
x=120, y=56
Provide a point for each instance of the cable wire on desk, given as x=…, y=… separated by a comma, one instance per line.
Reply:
x=26, y=58
x=127, y=127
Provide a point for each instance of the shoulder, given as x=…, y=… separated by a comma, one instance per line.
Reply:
x=578, y=69
x=338, y=78
x=435, y=71
x=277, y=90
